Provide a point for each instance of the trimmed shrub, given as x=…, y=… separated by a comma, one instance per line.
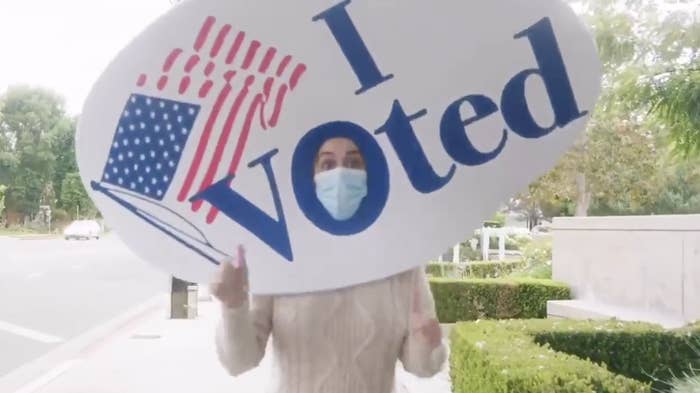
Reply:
x=493, y=269
x=444, y=269
x=553, y=356
x=473, y=269
x=472, y=299
x=542, y=271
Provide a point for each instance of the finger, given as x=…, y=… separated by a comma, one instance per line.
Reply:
x=240, y=256
x=243, y=264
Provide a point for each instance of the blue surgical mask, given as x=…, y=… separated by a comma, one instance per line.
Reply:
x=341, y=191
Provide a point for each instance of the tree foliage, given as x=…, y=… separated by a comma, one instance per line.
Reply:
x=74, y=199
x=3, y=188
x=649, y=107
x=37, y=151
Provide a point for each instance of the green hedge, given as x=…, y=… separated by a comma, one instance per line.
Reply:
x=538, y=356
x=638, y=352
x=444, y=269
x=472, y=299
x=493, y=269
x=475, y=269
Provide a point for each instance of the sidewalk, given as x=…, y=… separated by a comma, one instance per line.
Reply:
x=161, y=355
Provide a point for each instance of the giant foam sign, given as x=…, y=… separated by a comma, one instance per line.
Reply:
x=340, y=141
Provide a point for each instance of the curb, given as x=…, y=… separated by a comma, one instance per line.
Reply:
x=40, y=372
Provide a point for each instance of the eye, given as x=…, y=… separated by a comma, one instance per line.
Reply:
x=327, y=164
x=354, y=163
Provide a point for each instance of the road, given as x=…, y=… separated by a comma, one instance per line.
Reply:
x=52, y=291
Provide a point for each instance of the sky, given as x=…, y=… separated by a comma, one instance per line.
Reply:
x=65, y=45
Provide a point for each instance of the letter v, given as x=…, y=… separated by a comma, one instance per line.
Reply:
x=272, y=232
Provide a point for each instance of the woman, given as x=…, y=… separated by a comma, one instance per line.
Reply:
x=342, y=341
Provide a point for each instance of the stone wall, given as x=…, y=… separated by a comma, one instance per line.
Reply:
x=632, y=268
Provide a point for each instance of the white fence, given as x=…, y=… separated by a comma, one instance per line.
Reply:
x=486, y=235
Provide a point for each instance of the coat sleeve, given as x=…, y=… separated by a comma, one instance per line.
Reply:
x=417, y=355
x=242, y=334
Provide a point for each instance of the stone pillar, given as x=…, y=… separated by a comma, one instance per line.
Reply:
x=183, y=299
x=485, y=239
x=501, y=245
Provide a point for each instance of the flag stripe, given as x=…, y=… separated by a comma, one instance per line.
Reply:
x=235, y=47
x=296, y=75
x=184, y=84
x=209, y=68
x=269, y=55
x=252, y=50
x=279, y=101
x=203, y=142
x=162, y=82
x=267, y=87
x=191, y=63
x=205, y=89
x=170, y=60
x=219, y=41
x=223, y=139
x=204, y=33
x=142, y=80
x=240, y=147
x=283, y=65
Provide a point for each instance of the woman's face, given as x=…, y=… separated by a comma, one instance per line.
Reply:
x=338, y=152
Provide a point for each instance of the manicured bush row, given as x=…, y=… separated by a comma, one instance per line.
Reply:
x=474, y=269
x=493, y=269
x=444, y=269
x=537, y=356
x=472, y=299
x=634, y=350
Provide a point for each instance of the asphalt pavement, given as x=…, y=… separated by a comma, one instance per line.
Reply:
x=53, y=290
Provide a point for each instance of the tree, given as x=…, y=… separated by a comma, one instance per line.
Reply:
x=681, y=191
x=63, y=148
x=619, y=165
x=28, y=117
x=74, y=199
x=2, y=200
x=669, y=85
x=675, y=102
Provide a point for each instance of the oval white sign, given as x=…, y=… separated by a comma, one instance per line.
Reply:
x=340, y=141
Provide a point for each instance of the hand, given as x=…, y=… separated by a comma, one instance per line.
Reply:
x=428, y=329
x=431, y=332
x=230, y=285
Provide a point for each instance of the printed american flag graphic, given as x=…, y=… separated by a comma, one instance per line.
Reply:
x=147, y=146
x=248, y=83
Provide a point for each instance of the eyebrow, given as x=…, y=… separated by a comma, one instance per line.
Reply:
x=353, y=152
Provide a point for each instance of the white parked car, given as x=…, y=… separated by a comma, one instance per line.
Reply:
x=82, y=229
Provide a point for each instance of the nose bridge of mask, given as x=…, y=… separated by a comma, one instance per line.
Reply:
x=342, y=178
x=354, y=181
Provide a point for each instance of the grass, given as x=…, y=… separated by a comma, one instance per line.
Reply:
x=23, y=232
